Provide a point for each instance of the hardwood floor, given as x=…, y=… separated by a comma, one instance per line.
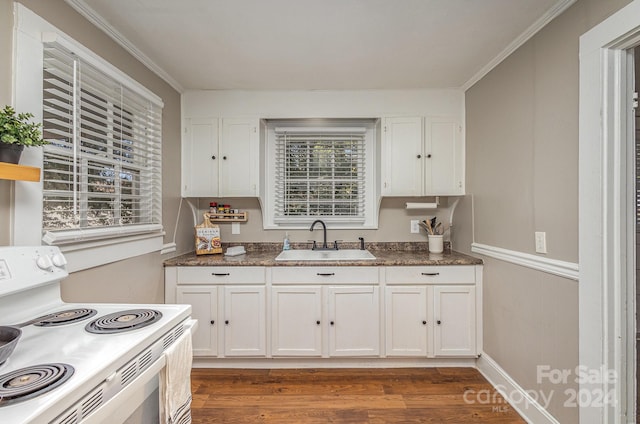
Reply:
x=380, y=396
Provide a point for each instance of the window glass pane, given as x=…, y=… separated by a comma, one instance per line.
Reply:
x=322, y=175
x=102, y=166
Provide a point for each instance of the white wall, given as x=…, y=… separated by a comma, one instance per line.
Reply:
x=323, y=104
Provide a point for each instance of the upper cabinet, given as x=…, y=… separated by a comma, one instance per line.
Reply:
x=220, y=157
x=422, y=157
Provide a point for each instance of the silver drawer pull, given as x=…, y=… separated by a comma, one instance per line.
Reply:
x=431, y=274
x=326, y=274
x=219, y=274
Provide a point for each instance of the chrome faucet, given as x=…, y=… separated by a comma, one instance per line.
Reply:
x=324, y=229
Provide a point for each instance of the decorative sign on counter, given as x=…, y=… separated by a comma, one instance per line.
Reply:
x=207, y=237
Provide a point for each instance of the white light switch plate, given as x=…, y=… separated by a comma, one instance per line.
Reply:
x=415, y=229
x=541, y=242
x=235, y=228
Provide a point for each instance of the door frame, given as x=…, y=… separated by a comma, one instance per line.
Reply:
x=606, y=224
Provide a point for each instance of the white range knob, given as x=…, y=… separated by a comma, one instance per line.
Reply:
x=44, y=262
x=59, y=260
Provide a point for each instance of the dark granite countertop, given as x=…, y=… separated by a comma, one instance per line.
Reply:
x=387, y=254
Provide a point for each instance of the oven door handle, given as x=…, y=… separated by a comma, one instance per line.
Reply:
x=121, y=406
x=191, y=324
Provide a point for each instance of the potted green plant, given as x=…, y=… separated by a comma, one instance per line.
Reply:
x=16, y=132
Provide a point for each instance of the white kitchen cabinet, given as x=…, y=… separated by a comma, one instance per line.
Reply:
x=244, y=321
x=455, y=320
x=204, y=308
x=240, y=152
x=402, y=153
x=349, y=302
x=444, y=157
x=407, y=321
x=443, y=300
x=200, y=158
x=296, y=321
x=423, y=157
x=220, y=157
x=354, y=321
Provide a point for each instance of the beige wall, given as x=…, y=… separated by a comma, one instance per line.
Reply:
x=522, y=170
x=394, y=223
x=138, y=279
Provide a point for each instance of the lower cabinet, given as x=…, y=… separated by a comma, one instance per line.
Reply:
x=241, y=321
x=204, y=308
x=406, y=321
x=245, y=321
x=307, y=312
x=296, y=321
x=347, y=324
x=454, y=312
x=354, y=321
x=430, y=321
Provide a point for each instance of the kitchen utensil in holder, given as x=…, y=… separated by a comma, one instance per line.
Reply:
x=436, y=243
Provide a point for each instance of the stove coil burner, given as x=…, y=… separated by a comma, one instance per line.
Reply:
x=119, y=322
x=65, y=317
x=29, y=382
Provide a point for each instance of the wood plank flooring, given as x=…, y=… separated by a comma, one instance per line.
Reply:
x=376, y=396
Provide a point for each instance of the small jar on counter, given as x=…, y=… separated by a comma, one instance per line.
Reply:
x=213, y=208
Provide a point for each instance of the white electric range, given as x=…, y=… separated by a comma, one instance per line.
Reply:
x=78, y=363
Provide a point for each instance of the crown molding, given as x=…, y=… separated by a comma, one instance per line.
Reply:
x=550, y=15
x=92, y=16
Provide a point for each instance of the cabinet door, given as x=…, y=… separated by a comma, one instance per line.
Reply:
x=354, y=326
x=244, y=321
x=239, y=151
x=406, y=320
x=444, y=157
x=296, y=321
x=455, y=319
x=204, y=308
x=200, y=158
x=402, y=157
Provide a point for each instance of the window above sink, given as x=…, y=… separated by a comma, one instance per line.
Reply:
x=321, y=168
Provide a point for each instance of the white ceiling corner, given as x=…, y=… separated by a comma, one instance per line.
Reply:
x=333, y=44
x=85, y=10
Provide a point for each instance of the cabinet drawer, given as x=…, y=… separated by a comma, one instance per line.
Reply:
x=431, y=275
x=326, y=275
x=221, y=275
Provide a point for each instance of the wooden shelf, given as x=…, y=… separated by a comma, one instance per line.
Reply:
x=228, y=217
x=9, y=171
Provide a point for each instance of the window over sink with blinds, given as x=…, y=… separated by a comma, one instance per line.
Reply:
x=102, y=168
x=322, y=169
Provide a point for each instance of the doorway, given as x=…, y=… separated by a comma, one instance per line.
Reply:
x=637, y=219
x=608, y=216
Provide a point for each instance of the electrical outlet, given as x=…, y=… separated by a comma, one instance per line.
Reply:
x=235, y=228
x=415, y=229
x=541, y=242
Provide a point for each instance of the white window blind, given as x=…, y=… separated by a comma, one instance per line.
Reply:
x=102, y=168
x=320, y=172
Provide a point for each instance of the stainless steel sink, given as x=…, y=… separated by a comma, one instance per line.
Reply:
x=325, y=255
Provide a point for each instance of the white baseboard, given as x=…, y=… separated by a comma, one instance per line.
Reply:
x=288, y=363
x=564, y=269
x=517, y=397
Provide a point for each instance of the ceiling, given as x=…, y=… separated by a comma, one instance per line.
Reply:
x=319, y=44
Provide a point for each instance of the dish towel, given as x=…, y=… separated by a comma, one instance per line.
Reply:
x=175, y=382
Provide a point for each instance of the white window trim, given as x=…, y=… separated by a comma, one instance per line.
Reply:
x=371, y=188
x=84, y=248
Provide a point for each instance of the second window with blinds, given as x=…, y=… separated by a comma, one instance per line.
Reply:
x=320, y=169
